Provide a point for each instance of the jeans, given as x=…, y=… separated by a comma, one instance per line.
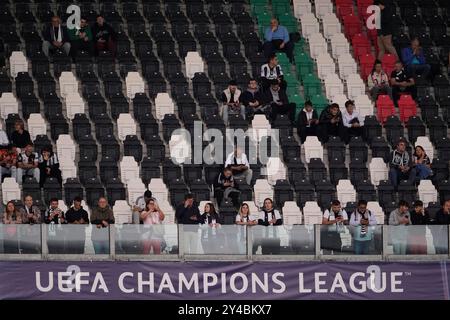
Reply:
x=361, y=247
x=395, y=175
x=35, y=172
x=423, y=69
x=423, y=171
x=226, y=111
x=101, y=246
x=12, y=171
x=247, y=175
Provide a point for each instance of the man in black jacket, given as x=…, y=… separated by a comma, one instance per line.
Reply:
x=55, y=37
x=307, y=122
x=188, y=215
x=104, y=36
x=252, y=99
x=278, y=100
x=440, y=232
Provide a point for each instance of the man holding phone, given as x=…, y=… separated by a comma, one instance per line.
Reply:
x=400, y=217
x=188, y=215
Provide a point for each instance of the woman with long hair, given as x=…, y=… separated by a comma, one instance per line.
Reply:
x=10, y=218
x=422, y=163
x=378, y=81
x=244, y=218
x=152, y=216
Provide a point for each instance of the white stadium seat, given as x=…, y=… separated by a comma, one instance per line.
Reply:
x=169, y=212
x=339, y=45
x=194, y=63
x=331, y=25
x=301, y=7
x=427, y=192
x=340, y=99
x=261, y=127
x=317, y=45
x=376, y=209
x=134, y=84
x=345, y=192
x=378, y=171
x=310, y=25
x=126, y=126
x=291, y=213
x=129, y=169
x=8, y=104
x=159, y=189
x=355, y=86
x=18, y=63
x=325, y=65
x=74, y=104
x=122, y=212
x=347, y=65
x=263, y=190
x=323, y=8
x=312, y=214
x=68, y=168
x=36, y=125
x=364, y=106
x=276, y=170
x=313, y=148
x=67, y=83
x=333, y=85
x=135, y=189
x=10, y=190
x=163, y=105
x=65, y=147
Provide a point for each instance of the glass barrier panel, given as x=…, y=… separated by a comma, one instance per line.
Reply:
x=348, y=240
x=20, y=239
x=417, y=239
x=146, y=239
x=73, y=238
x=283, y=240
x=221, y=239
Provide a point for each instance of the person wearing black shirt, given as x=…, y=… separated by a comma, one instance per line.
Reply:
x=385, y=33
x=401, y=82
x=226, y=187
x=279, y=102
x=252, y=99
x=55, y=37
x=20, y=137
x=48, y=166
x=269, y=217
x=75, y=216
x=330, y=123
x=104, y=36
x=440, y=231
x=212, y=241
x=416, y=236
x=188, y=214
x=307, y=122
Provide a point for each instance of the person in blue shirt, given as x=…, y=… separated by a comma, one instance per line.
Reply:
x=414, y=59
x=277, y=39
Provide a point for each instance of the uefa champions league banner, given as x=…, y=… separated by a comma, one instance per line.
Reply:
x=223, y=280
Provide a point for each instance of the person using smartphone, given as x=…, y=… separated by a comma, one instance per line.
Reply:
x=401, y=218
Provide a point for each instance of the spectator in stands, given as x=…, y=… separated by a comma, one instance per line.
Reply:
x=440, y=231
x=330, y=123
x=187, y=213
x=350, y=120
x=4, y=141
x=272, y=71
x=56, y=235
x=20, y=137
x=244, y=216
x=269, y=216
x=226, y=187
x=10, y=217
x=416, y=235
x=81, y=38
x=401, y=165
x=362, y=219
x=279, y=103
x=76, y=215
x=231, y=104
x=153, y=216
x=400, y=217
x=277, y=39
x=8, y=162
x=237, y=161
x=401, y=83
x=378, y=81
x=27, y=163
x=210, y=216
x=104, y=36
x=140, y=205
x=102, y=216
x=422, y=163
x=49, y=166
x=307, y=122
x=252, y=99
x=414, y=59
x=384, y=39
x=31, y=214
x=55, y=37
x=334, y=218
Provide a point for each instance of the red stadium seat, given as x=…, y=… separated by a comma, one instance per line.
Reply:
x=352, y=25
x=388, y=63
x=361, y=44
x=385, y=107
x=366, y=62
x=407, y=107
x=362, y=9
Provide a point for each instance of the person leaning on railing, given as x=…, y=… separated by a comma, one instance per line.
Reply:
x=75, y=216
x=102, y=216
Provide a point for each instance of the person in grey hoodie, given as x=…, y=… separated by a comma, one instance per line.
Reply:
x=400, y=217
x=401, y=165
x=102, y=216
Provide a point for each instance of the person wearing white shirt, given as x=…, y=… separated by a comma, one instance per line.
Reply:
x=4, y=141
x=238, y=163
x=350, y=119
x=333, y=220
x=361, y=219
